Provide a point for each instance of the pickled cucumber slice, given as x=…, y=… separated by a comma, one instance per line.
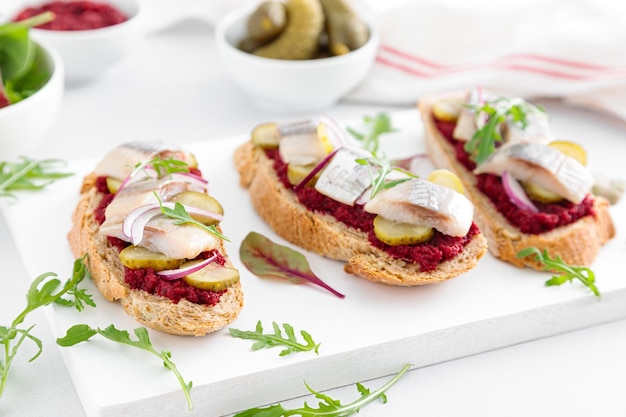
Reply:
x=202, y=201
x=212, y=277
x=113, y=184
x=138, y=257
x=396, y=234
x=571, y=149
x=540, y=194
x=296, y=173
x=447, y=110
x=447, y=179
x=266, y=135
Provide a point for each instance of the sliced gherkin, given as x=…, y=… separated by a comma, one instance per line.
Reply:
x=540, y=194
x=138, y=257
x=266, y=135
x=201, y=201
x=397, y=234
x=213, y=277
x=297, y=173
x=113, y=184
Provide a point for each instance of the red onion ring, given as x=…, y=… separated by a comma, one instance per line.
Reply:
x=196, y=181
x=135, y=221
x=315, y=170
x=338, y=135
x=516, y=193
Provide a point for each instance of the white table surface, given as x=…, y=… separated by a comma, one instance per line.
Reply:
x=174, y=89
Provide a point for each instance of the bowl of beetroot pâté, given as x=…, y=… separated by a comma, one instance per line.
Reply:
x=92, y=36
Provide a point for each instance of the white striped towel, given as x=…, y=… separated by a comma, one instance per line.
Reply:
x=569, y=49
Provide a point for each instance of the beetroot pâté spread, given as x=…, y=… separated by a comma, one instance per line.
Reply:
x=146, y=279
x=75, y=15
x=550, y=215
x=428, y=254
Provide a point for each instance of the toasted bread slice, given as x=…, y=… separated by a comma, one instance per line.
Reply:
x=326, y=236
x=577, y=243
x=107, y=272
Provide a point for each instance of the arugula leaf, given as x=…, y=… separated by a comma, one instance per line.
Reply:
x=180, y=214
x=80, y=295
x=277, y=338
x=327, y=407
x=28, y=175
x=567, y=272
x=83, y=332
x=161, y=166
x=374, y=127
x=40, y=293
x=497, y=111
x=265, y=258
x=379, y=168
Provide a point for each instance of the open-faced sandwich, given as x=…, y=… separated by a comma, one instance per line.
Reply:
x=150, y=232
x=326, y=194
x=529, y=189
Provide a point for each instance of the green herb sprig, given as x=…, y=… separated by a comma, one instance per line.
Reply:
x=497, y=111
x=268, y=340
x=180, y=214
x=568, y=273
x=328, y=407
x=28, y=175
x=379, y=168
x=40, y=293
x=83, y=332
x=161, y=166
x=374, y=126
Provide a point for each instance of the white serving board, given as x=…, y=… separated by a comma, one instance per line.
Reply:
x=373, y=332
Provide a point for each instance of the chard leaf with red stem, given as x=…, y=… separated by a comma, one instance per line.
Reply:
x=265, y=258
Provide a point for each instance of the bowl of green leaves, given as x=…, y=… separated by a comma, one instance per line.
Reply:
x=31, y=88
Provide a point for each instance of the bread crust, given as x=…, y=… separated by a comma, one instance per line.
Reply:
x=577, y=243
x=107, y=272
x=324, y=235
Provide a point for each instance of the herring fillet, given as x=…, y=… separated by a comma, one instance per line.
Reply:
x=120, y=161
x=421, y=202
x=160, y=234
x=344, y=179
x=543, y=166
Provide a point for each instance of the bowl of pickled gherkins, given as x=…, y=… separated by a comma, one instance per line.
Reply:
x=297, y=55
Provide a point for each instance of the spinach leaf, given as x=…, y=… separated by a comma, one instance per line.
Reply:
x=22, y=69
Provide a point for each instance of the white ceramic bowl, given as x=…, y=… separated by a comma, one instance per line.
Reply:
x=24, y=125
x=87, y=54
x=284, y=85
